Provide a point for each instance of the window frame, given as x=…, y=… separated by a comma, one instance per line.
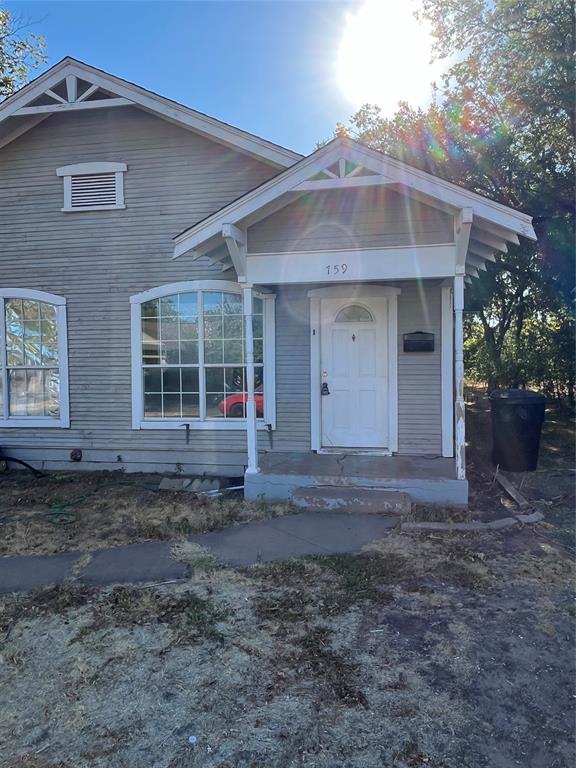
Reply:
x=87, y=169
x=59, y=304
x=269, y=348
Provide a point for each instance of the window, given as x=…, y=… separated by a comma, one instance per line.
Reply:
x=33, y=359
x=189, y=358
x=93, y=186
x=354, y=314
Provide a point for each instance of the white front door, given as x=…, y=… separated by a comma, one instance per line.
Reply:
x=354, y=369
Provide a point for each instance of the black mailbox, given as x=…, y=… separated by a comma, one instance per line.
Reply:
x=419, y=342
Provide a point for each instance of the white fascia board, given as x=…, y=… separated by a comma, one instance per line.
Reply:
x=170, y=110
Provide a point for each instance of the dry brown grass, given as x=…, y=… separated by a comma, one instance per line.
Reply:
x=91, y=510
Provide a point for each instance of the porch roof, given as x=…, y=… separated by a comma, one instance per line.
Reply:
x=482, y=226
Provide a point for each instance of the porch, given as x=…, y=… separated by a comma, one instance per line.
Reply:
x=430, y=480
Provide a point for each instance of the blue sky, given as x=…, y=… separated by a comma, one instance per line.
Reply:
x=266, y=67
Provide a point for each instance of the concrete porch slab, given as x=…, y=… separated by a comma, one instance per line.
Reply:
x=426, y=480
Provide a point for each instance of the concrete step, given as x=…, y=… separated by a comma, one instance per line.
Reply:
x=352, y=499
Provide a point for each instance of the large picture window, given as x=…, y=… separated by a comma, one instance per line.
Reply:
x=189, y=356
x=33, y=359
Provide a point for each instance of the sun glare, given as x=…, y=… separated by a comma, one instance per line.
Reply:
x=384, y=56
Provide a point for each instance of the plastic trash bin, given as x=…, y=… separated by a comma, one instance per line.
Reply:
x=517, y=418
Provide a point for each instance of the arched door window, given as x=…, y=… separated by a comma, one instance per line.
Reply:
x=354, y=313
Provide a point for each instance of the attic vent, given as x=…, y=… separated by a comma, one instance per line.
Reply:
x=95, y=191
x=93, y=186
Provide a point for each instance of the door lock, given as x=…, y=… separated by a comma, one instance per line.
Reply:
x=325, y=390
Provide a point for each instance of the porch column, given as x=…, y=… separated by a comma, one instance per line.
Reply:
x=251, y=435
x=459, y=416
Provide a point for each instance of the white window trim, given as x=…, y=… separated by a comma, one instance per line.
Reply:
x=85, y=169
x=226, y=286
x=46, y=421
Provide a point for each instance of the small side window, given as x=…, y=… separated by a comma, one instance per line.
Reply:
x=93, y=186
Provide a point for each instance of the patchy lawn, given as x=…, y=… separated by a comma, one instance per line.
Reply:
x=91, y=510
x=422, y=652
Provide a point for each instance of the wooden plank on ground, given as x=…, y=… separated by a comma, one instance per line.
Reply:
x=512, y=491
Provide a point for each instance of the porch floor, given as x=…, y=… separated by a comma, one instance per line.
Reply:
x=426, y=480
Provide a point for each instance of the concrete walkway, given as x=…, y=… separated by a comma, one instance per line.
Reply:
x=282, y=538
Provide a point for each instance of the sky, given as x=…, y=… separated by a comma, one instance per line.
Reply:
x=287, y=71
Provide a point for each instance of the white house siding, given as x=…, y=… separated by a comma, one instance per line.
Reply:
x=368, y=217
x=97, y=260
x=419, y=402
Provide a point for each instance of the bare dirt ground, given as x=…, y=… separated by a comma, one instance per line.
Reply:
x=425, y=651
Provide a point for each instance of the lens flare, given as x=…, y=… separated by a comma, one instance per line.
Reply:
x=384, y=56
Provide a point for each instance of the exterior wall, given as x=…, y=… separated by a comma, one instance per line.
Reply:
x=419, y=392
x=97, y=260
x=368, y=217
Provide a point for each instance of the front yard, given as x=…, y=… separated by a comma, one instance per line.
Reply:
x=424, y=651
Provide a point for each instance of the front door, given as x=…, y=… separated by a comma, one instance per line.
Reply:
x=354, y=365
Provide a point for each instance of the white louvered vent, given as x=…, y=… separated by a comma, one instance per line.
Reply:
x=93, y=186
x=94, y=191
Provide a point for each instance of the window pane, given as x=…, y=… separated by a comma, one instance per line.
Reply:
x=151, y=354
x=191, y=405
x=47, y=311
x=170, y=352
x=32, y=354
x=171, y=405
x=190, y=380
x=214, y=352
x=169, y=329
x=34, y=393
x=171, y=380
x=30, y=309
x=233, y=326
x=151, y=308
x=169, y=306
x=214, y=379
x=231, y=304
x=234, y=352
x=153, y=405
x=213, y=327
x=189, y=352
x=188, y=328
x=188, y=306
x=152, y=380
x=258, y=351
x=354, y=314
x=150, y=330
x=258, y=326
x=212, y=303
x=48, y=340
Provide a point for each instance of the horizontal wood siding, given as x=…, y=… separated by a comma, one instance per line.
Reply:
x=419, y=401
x=97, y=260
x=370, y=217
x=419, y=396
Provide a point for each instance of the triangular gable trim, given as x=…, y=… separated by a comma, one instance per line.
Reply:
x=303, y=176
x=126, y=93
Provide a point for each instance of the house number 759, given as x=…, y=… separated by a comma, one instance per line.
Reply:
x=336, y=269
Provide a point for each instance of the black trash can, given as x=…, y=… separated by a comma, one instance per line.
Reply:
x=517, y=418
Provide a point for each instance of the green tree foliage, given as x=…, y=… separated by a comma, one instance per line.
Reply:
x=502, y=124
x=21, y=51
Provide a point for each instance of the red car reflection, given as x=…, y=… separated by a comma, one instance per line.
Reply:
x=233, y=406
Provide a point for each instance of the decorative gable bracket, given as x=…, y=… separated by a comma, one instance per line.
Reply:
x=71, y=93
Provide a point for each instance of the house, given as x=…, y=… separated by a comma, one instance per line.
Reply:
x=179, y=295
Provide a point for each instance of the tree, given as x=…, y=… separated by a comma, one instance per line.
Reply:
x=21, y=52
x=502, y=123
